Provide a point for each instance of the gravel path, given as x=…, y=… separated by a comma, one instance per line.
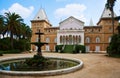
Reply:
x=95, y=65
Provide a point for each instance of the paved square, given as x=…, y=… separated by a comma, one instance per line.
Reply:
x=95, y=65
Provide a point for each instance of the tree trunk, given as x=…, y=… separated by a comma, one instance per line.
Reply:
x=112, y=19
x=11, y=39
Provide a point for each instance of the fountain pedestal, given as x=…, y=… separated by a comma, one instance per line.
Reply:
x=39, y=44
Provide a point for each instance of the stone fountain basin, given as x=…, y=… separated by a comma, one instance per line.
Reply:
x=3, y=73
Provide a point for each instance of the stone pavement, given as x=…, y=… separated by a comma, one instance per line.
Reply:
x=95, y=65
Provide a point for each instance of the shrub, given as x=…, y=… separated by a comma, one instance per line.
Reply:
x=5, y=44
x=61, y=51
x=58, y=47
x=11, y=51
x=22, y=45
x=83, y=49
x=19, y=45
x=1, y=53
x=79, y=48
x=114, y=46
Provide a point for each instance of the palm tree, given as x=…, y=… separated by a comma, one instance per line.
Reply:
x=2, y=25
x=110, y=4
x=26, y=32
x=13, y=23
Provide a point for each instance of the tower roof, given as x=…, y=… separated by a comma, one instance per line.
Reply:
x=91, y=22
x=41, y=15
x=107, y=13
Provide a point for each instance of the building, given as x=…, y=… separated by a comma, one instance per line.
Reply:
x=72, y=31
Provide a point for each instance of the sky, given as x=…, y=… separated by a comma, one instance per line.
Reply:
x=58, y=10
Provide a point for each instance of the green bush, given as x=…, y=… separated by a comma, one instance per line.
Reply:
x=83, y=49
x=58, y=47
x=5, y=44
x=68, y=49
x=1, y=53
x=22, y=45
x=61, y=51
x=114, y=47
x=79, y=48
x=11, y=51
x=19, y=45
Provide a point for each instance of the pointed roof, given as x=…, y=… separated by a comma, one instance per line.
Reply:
x=107, y=13
x=71, y=17
x=41, y=15
x=91, y=22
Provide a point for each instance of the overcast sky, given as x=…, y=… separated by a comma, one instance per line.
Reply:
x=58, y=10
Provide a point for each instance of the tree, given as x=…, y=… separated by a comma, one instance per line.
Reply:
x=114, y=46
x=110, y=4
x=26, y=31
x=2, y=25
x=118, y=28
x=13, y=23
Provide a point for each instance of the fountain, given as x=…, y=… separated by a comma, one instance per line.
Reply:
x=38, y=65
x=39, y=44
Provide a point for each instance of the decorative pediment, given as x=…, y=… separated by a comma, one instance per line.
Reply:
x=71, y=23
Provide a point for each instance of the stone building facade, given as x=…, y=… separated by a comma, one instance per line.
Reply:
x=72, y=31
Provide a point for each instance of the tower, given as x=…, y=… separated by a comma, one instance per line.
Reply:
x=107, y=28
x=91, y=22
x=40, y=22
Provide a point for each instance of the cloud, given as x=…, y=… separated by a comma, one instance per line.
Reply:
x=75, y=10
x=24, y=12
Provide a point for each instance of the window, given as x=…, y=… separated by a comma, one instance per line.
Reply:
x=110, y=29
x=55, y=40
x=47, y=48
x=87, y=48
x=99, y=30
x=97, y=40
x=61, y=39
x=47, y=39
x=37, y=39
x=109, y=39
x=79, y=39
x=87, y=40
x=97, y=48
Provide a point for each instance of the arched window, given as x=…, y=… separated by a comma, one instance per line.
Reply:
x=109, y=40
x=73, y=39
x=97, y=39
x=67, y=39
x=47, y=39
x=64, y=40
x=37, y=39
x=55, y=40
x=70, y=39
x=61, y=39
x=87, y=40
x=79, y=39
